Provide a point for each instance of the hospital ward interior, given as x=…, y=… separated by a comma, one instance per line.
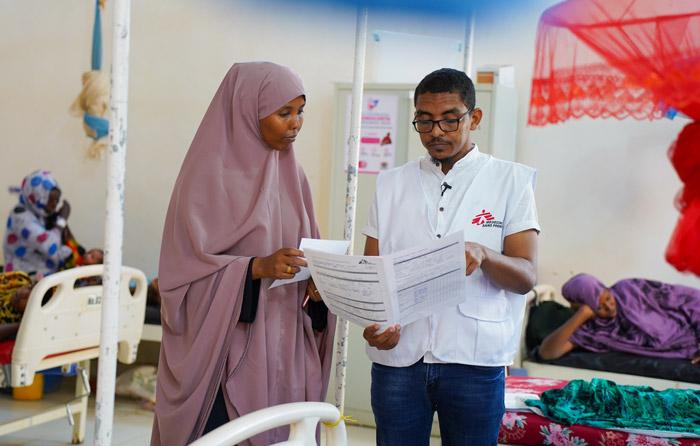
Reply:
x=350, y=222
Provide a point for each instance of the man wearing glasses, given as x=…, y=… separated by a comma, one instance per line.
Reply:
x=453, y=362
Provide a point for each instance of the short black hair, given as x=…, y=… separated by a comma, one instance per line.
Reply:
x=448, y=80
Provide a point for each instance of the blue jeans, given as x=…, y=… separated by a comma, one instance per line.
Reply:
x=468, y=400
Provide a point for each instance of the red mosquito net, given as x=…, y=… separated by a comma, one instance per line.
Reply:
x=628, y=58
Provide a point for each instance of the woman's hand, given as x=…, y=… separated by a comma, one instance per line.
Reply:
x=283, y=264
x=385, y=340
x=586, y=311
x=65, y=210
x=696, y=359
x=313, y=292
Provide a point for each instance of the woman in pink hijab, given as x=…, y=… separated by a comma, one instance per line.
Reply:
x=240, y=206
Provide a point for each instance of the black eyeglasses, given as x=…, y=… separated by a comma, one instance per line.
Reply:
x=446, y=125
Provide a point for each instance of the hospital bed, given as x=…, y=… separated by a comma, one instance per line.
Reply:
x=152, y=332
x=302, y=418
x=622, y=368
x=523, y=427
x=65, y=330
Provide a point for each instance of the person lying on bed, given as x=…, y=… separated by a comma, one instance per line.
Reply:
x=94, y=256
x=637, y=316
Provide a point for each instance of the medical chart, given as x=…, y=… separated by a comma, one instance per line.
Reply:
x=395, y=289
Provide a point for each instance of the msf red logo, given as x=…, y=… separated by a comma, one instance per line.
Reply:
x=486, y=219
x=482, y=218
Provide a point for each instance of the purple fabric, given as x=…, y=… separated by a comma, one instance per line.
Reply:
x=583, y=289
x=234, y=199
x=653, y=318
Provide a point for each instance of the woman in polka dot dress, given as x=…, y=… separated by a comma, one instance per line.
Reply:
x=34, y=238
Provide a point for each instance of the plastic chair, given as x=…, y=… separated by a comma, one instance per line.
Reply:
x=302, y=418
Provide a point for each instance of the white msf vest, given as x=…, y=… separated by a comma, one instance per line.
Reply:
x=485, y=329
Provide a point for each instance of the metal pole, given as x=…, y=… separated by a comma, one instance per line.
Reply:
x=114, y=224
x=353, y=148
x=469, y=46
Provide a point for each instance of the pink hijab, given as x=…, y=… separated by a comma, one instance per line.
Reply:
x=235, y=198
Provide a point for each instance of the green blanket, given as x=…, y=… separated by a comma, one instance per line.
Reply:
x=604, y=404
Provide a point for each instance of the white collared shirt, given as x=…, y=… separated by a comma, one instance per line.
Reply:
x=488, y=199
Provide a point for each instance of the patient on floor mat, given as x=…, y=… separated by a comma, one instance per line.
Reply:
x=638, y=316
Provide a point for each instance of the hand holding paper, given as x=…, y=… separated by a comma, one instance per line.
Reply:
x=396, y=289
x=330, y=246
x=282, y=264
x=382, y=340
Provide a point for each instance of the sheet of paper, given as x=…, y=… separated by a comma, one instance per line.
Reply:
x=400, y=288
x=353, y=287
x=430, y=277
x=332, y=246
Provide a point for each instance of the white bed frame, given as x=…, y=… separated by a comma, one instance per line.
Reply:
x=543, y=293
x=152, y=332
x=66, y=331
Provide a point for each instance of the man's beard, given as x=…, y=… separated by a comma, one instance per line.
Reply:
x=438, y=162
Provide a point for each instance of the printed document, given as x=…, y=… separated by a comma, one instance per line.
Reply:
x=395, y=289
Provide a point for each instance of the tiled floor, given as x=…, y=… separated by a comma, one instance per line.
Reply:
x=132, y=425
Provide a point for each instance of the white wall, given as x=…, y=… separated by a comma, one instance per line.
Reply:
x=180, y=51
x=43, y=50
x=605, y=187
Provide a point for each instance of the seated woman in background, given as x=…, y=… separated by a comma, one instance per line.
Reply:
x=637, y=316
x=37, y=231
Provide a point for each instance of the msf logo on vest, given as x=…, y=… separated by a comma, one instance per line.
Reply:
x=486, y=220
